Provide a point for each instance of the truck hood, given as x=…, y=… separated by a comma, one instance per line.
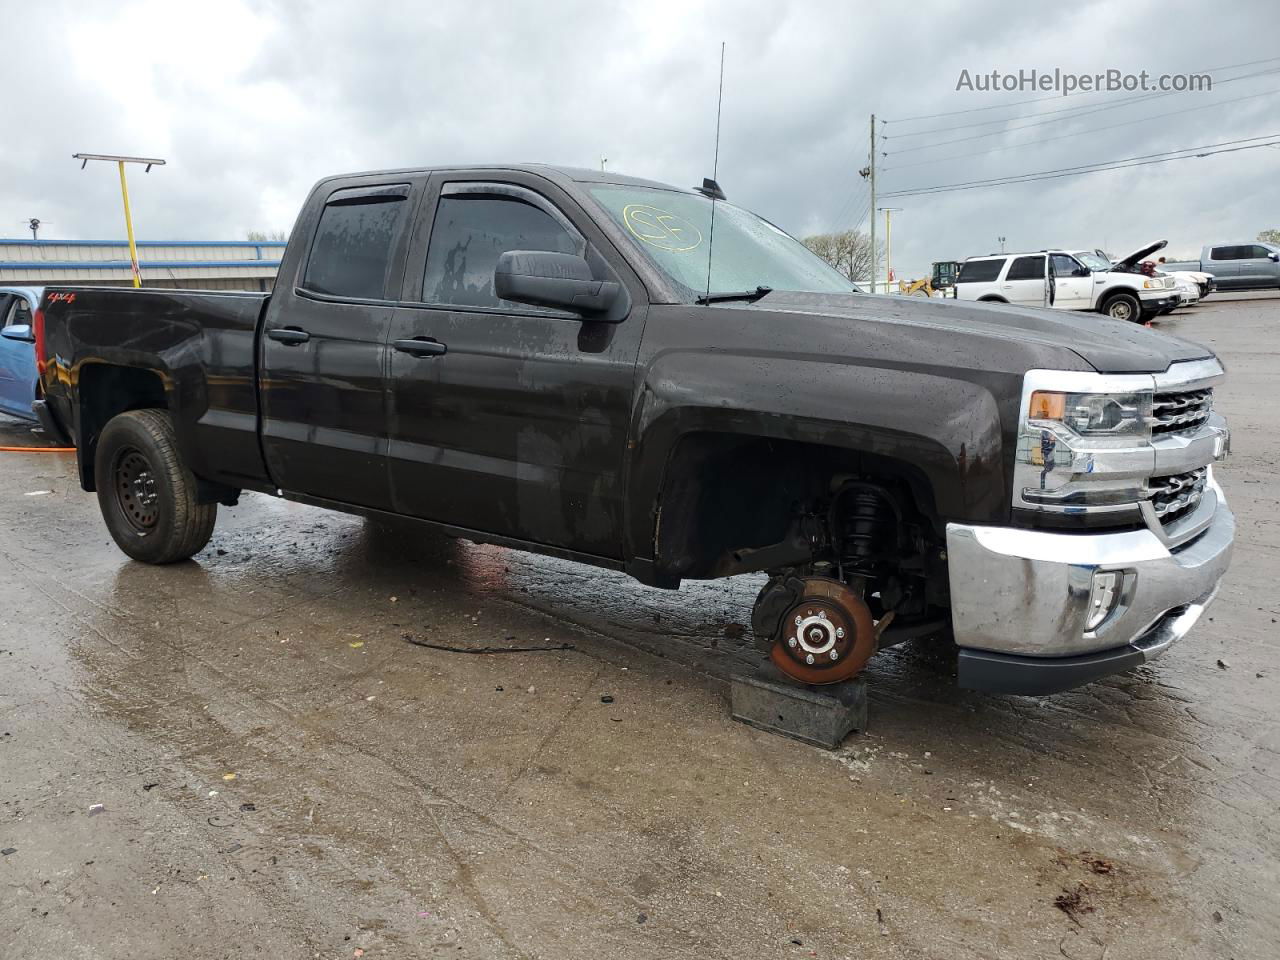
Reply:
x=1133, y=259
x=1109, y=346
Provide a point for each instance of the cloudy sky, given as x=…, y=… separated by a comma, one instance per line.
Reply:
x=251, y=103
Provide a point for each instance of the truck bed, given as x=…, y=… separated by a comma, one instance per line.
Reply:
x=199, y=348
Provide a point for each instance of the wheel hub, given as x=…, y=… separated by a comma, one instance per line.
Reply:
x=136, y=491
x=827, y=636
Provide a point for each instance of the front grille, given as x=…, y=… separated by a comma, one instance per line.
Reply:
x=1176, y=495
x=1180, y=412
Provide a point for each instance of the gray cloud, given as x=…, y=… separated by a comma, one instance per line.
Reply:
x=251, y=105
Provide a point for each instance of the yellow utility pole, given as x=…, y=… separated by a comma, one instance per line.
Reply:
x=149, y=162
x=888, y=244
x=128, y=226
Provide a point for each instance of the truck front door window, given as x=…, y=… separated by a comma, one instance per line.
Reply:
x=470, y=233
x=353, y=246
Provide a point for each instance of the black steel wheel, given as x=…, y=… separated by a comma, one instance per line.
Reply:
x=134, y=485
x=146, y=493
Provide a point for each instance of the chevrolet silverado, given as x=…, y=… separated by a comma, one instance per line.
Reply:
x=654, y=380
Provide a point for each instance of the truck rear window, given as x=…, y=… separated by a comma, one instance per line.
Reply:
x=980, y=271
x=352, y=247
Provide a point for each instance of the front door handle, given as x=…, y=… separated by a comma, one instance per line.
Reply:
x=421, y=347
x=289, y=336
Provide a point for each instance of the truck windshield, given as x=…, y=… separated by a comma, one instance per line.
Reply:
x=1093, y=261
x=672, y=229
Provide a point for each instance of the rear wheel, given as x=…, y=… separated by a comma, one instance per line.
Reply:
x=1123, y=306
x=146, y=493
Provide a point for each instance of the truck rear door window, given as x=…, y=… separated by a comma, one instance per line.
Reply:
x=353, y=246
x=1027, y=268
x=979, y=271
x=470, y=232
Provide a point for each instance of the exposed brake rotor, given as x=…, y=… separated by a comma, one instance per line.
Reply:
x=827, y=636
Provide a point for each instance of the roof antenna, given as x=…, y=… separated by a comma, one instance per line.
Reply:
x=709, y=187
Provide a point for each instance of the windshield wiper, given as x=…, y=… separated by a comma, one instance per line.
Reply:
x=751, y=296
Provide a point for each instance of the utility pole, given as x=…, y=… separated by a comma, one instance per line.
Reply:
x=34, y=224
x=1001, y=239
x=150, y=162
x=873, y=203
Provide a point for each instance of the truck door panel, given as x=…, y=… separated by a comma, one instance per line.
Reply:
x=1224, y=264
x=519, y=427
x=1024, y=282
x=324, y=396
x=1256, y=268
x=1070, y=292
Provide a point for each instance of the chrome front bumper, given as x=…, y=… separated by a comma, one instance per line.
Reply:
x=1024, y=595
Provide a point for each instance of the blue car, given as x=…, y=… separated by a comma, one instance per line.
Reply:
x=17, y=350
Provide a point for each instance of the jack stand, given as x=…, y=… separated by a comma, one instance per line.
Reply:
x=820, y=715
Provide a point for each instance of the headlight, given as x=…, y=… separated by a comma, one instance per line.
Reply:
x=1093, y=414
x=1152, y=284
x=1084, y=442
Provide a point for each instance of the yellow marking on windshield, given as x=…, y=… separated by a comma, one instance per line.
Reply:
x=660, y=229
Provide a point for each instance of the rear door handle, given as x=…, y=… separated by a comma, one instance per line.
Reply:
x=421, y=347
x=290, y=336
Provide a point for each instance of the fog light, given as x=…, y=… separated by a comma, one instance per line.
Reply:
x=1103, y=597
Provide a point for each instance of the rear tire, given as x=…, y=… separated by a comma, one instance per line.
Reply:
x=1123, y=306
x=146, y=493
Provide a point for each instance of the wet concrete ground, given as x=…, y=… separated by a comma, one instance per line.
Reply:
x=282, y=775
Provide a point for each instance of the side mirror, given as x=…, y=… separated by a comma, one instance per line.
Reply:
x=1274, y=257
x=19, y=331
x=547, y=279
x=1081, y=272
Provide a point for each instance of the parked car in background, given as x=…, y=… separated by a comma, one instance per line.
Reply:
x=1236, y=266
x=1062, y=280
x=18, y=379
x=1188, y=289
x=1205, y=283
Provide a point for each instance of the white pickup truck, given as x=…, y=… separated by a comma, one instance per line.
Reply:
x=1062, y=280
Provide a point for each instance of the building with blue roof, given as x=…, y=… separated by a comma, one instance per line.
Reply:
x=188, y=264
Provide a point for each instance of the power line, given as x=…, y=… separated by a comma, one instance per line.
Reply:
x=857, y=201
x=1058, y=96
x=852, y=199
x=1096, y=109
x=1076, y=133
x=1207, y=150
x=866, y=208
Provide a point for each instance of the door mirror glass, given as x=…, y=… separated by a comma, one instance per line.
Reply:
x=558, y=280
x=18, y=331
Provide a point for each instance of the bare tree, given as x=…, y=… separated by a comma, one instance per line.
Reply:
x=266, y=236
x=849, y=252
